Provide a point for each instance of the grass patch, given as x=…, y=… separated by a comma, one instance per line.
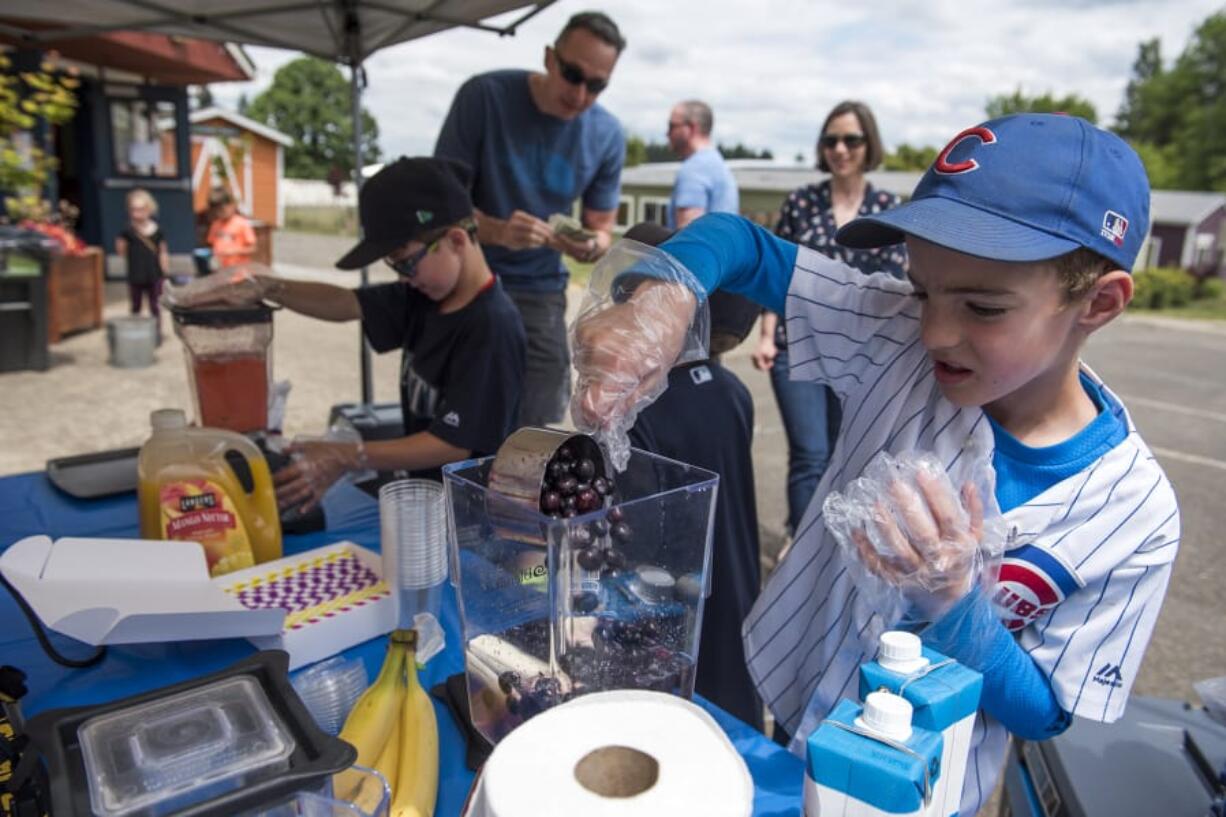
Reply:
x=1210, y=309
x=323, y=220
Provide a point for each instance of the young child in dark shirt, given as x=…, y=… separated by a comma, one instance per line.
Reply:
x=146, y=258
x=462, y=339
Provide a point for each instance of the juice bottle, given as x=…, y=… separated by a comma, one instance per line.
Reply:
x=210, y=486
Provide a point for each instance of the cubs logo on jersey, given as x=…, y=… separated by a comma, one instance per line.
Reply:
x=945, y=167
x=1031, y=582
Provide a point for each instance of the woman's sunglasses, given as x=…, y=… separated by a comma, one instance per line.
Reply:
x=575, y=76
x=850, y=140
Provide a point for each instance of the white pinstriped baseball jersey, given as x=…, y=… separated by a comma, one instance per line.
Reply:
x=1089, y=559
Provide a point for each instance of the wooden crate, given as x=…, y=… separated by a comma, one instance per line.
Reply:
x=74, y=293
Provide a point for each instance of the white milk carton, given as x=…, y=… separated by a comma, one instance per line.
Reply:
x=868, y=761
x=944, y=696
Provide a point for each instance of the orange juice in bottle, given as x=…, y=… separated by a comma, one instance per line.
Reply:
x=210, y=486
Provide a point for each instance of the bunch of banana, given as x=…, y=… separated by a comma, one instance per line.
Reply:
x=395, y=732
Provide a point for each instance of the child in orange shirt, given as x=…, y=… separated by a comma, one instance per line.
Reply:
x=230, y=235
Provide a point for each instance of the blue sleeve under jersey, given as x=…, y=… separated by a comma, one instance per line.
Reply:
x=728, y=252
x=1015, y=690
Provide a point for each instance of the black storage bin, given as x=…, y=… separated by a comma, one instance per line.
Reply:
x=23, y=313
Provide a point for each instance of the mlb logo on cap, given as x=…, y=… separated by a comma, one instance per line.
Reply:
x=1114, y=227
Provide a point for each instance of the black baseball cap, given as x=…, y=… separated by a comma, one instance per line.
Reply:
x=405, y=199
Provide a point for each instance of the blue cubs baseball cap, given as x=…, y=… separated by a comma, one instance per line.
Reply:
x=1026, y=187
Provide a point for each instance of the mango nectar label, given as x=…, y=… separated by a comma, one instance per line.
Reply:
x=199, y=510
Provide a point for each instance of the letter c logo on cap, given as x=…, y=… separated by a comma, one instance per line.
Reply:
x=944, y=166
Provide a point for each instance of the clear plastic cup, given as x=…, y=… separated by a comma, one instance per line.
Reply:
x=413, y=538
x=329, y=690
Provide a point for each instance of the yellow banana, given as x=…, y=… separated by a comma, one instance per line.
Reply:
x=370, y=795
x=373, y=717
x=417, y=782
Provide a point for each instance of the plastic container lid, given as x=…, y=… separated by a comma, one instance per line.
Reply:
x=901, y=652
x=886, y=714
x=184, y=748
x=168, y=419
x=222, y=315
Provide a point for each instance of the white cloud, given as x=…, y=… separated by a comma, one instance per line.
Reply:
x=772, y=69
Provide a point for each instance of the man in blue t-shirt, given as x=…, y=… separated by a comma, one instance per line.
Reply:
x=704, y=183
x=537, y=142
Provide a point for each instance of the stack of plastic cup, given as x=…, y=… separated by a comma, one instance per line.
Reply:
x=329, y=690
x=413, y=537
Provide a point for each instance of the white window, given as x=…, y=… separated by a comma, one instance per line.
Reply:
x=625, y=212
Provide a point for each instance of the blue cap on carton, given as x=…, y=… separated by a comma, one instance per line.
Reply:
x=1026, y=187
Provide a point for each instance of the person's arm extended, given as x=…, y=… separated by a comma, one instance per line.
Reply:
x=1015, y=690
x=413, y=453
x=601, y=222
x=317, y=300
x=687, y=215
x=726, y=251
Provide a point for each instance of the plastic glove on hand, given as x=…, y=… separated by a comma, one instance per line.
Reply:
x=623, y=353
x=315, y=466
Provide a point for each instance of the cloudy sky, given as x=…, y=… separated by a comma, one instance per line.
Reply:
x=771, y=69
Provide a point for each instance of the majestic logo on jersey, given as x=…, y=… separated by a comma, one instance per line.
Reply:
x=947, y=168
x=1109, y=675
x=1114, y=228
x=452, y=419
x=1031, y=583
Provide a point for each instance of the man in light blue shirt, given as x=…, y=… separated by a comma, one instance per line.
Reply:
x=704, y=183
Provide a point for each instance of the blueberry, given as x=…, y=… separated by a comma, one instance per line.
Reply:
x=587, y=500
x=513, y=703
x=555, y=469
x=615, y=514
x=566, y=454
x=614, y=559
x=551, y=501
x=585, y=469
x=601, y=485
x=591, y=558
x=547, y=688
x=569, y=513
x=570, y=503
x=600, y=527
x=567, y=485
x=508, y=681
x=580, y=537
x=621, y=532
x=584, y=601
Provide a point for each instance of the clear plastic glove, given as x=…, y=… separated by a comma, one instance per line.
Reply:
x=639, y=318
x=240, y=285
x=315, y=465
x=915, y=540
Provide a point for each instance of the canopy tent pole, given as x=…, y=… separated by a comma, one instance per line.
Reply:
x=355, y=93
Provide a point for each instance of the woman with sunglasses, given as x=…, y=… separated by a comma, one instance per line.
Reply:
x=847, y=148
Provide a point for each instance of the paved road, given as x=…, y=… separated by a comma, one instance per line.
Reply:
x=1171, y=375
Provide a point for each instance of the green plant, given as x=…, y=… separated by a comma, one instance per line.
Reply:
x=1162, y=288
x=29, y=101
x=1211, y=289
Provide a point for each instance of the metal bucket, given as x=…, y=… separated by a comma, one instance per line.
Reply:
x=132, y=341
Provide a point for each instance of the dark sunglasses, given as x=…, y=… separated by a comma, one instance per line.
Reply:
x=575, y=76
x=850, y=140
x=407, y=267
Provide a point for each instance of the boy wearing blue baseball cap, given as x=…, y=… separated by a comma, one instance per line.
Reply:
x=1021, y=238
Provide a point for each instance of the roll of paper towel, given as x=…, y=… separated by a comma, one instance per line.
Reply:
x=615, y=754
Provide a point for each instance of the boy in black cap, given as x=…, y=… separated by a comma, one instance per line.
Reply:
x=462, y=338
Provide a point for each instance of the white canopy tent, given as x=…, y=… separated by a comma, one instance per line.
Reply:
x=344, y=31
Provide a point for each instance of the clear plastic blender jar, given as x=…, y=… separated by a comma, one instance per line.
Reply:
x=229, y=364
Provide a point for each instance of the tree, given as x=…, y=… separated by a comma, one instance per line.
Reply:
x=636, y=151
x=1017, y=102
x=30, y=102
x=203, y=98
x=309, y=101
x=739, y=151
x=1176, y=118
x=910, y=158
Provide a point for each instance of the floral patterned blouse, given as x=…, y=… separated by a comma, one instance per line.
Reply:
x=807, y=218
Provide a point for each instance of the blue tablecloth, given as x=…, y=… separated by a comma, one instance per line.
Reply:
x=30, y=505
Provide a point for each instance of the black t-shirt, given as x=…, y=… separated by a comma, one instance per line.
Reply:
x=462, y=373
x=705, y=418
x=142, y=261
